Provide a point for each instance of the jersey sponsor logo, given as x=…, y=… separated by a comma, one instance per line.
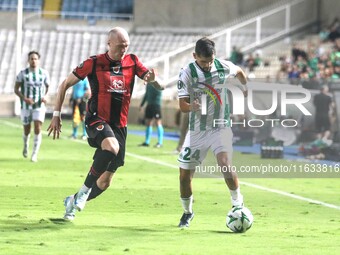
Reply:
x=117, y=84
x=208, y=89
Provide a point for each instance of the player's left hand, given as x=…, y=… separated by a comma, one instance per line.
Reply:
x=44, y=100
x=150, y=76
x=245, y=93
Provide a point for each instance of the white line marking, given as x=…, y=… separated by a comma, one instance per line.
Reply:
x=283, y=193
x=255, y=186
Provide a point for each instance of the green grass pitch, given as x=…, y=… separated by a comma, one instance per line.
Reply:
x=139, y=213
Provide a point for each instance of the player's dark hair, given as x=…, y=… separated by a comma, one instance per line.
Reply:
x=205, y=47
x=33, y=52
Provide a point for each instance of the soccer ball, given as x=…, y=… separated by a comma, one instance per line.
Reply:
x=239, y=219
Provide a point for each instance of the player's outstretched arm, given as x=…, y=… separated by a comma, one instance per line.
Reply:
x=55, y=125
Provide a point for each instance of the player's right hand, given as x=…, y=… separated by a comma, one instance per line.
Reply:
x=195, y=106
x=28, y=101
x=55, y=127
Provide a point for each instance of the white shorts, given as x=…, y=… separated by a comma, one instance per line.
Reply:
x=197, y=144
x=29, y=115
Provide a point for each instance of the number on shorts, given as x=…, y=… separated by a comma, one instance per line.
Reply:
x=195, y=155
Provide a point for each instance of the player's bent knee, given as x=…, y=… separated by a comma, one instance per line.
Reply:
x=110, y=144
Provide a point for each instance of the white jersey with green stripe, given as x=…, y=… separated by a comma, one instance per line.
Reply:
x=33, y=85
x=211, y=90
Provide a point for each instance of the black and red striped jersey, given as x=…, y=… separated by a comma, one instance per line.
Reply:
x=111, y=85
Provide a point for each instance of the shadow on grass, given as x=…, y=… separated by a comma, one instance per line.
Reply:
x=60, y=221
x=22, y=224
x=224, y=232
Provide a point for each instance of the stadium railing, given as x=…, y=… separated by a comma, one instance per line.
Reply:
x=264, y=28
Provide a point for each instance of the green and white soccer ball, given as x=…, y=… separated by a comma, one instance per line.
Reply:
x=239, y=219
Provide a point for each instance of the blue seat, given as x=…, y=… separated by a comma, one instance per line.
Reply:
x=95, y=6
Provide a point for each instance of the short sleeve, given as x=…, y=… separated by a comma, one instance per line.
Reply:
x=232, y=67
x=183, y=84
x=20, y=77
x=47, y=80
x=83, y=69
x=141, y=70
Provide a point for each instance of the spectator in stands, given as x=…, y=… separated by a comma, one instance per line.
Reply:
x=111, y=76
x=323, y=106
x=258, y=60
x=336, y=73
x=298, y=51
x=294, y=74
x=334, y=30
x=323, y=34
x=80, y=94
x=31, y=87
x=153, y=111
x=250, y=62
x=236, y=56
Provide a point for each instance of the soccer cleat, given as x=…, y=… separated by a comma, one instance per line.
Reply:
x=80, y=199
x=70, y=211
x=237, y=202
x=84, y=137
x=24, y=152
x=143, y=145
x=185, y=220
x=34, y=157
x=158, y=145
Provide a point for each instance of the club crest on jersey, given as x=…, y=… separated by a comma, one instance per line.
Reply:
x=117, y=84
x=100, y=127
x=115, y=69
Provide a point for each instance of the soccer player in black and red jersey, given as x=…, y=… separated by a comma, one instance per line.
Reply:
x=111, y=77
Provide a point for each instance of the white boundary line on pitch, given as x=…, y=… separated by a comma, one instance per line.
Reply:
x=283, y=193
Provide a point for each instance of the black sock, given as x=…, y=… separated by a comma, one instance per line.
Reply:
x=101, y=161
x=92, y=177
x=95, y=192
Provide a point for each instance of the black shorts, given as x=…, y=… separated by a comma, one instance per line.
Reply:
x=98, y=131
x=153, y=111
x=81, y=105
x=322, y=123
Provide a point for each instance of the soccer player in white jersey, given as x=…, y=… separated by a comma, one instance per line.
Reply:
x=31, y=87
x=206, y=78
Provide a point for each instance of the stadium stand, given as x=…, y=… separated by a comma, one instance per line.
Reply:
x=65, y=44
x=29, y=5
x=75, y=9
x=63, y=50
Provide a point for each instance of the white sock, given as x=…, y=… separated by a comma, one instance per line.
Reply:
x=84, y=189
x=26, y=139
x=37, y=143
x=235, y=194
x=187, y=204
